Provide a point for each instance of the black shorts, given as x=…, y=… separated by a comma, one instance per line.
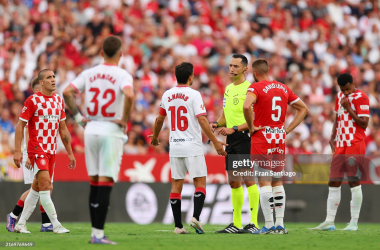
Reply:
x=239, y=147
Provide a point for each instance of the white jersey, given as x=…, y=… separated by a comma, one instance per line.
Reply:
x=183, y=105
x=104, y=97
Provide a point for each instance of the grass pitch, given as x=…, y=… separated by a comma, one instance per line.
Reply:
x=159, y=236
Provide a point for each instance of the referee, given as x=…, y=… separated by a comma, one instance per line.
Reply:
x=235, y=128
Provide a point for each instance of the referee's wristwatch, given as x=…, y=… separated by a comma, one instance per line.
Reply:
x=217, y=124
x=235, y=128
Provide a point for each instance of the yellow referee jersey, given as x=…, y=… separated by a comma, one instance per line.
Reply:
x=233, y=102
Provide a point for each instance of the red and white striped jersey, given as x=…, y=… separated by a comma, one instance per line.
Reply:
x=347, y=131
x=43, y=115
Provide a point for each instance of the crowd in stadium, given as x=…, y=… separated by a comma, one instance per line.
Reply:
x=307, y=44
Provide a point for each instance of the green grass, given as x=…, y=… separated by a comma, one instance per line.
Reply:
x=159, y=236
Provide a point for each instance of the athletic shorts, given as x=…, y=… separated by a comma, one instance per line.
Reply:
x=348, y=160
x=196, y=165
x=268, y=158
x=103, y=155
x=42, y=162
x=239, y=148
x=28, y=173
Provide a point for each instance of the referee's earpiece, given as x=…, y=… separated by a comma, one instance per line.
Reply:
x=240, y=72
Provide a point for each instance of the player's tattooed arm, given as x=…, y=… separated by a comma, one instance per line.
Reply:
x=17, y=157
x=68, y=95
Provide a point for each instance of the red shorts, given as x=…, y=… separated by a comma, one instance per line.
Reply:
x=43, y=162
x=269, y=156
x=348, y=160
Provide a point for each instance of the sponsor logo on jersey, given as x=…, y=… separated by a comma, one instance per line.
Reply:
x=364, y=107
x=274, y=130
x=182, y=139
x=24, y=109
x=178, y=96
x=250, y=89
x=202, y=106
x=51, y=118
x=274, y=150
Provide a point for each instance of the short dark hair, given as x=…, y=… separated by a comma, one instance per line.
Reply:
x=243, y=58
x=34, y=82
x=111, y=45
x=41, y=74
x=183, y=72
x=261, y=66
x=345, y=78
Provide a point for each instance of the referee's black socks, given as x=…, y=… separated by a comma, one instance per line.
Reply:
x=175, y=202
x=199, y=200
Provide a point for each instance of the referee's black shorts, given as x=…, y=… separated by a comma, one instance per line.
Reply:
x=239, y=148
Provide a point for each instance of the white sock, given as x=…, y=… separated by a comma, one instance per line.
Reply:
x=266, y=199
x=48, y=205
x=46, y=224
x=29, y=206
x=13, y=216
x=279, y=204
x=98, y=233
x=356, y=203
x=333, y=201
x=92, y=232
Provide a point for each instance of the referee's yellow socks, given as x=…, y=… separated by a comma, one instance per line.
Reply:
x=254, y=198
x=237, y=205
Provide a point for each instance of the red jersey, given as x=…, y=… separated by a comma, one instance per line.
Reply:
x=272, y=99
x=43, y=114
x=347, y=131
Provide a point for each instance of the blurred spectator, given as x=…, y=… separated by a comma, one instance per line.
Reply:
x=5, y=123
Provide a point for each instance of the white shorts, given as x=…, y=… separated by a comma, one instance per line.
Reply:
x=196, y=165
x=28, y=174
x=103, y=155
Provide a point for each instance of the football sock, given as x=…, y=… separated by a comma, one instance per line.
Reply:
x=199, y=200
x=333, y=201
x=254, y=198
x=356, y=203
x=175, y=202
x=266, y=198
x=45, y=218
x=48, y=206
x=101, y=207
x=92, y=201
x=18, y=209
x=279, y=204
x=237, y=205
x=29, y=206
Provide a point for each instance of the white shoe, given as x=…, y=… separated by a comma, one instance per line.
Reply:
x=178, y=230
x=21, y=229
x=60, y=230
x=325, y=226
x=194, y=223
x=351, y=227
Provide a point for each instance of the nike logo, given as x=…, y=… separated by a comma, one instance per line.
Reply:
x=95, y=205
x=197, y=195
